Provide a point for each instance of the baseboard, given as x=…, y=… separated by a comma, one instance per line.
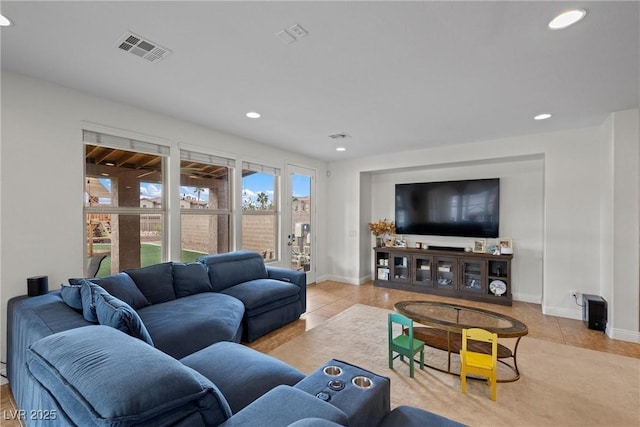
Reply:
x=563, y=312
x=348, y=280
x=531, y=299
x=623, y=335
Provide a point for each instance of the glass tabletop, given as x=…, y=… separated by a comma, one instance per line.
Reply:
x=454, y=317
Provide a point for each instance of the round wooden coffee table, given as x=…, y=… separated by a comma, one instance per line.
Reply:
x=444, y=323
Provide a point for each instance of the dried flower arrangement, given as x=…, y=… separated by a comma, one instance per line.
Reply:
x=382, y=227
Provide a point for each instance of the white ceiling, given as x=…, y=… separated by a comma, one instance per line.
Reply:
x=393, y=75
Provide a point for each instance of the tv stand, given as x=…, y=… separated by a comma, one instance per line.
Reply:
x=451, y=273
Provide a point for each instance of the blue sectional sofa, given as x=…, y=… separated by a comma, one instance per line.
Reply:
x=182, y=308
x=99, y=376
x=159, y=346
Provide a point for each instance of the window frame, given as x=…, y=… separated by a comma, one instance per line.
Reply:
x=276, y=212
x=107, y=139
x=197, y=156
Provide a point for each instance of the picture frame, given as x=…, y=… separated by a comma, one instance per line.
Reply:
x=399, y=242
x=505, y=245
x=480, y=246
x=389, y=240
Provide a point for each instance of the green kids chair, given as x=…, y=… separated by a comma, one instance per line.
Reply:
x=404, y=344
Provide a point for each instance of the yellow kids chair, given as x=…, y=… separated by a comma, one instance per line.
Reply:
x=404, y=344
x=484, y=365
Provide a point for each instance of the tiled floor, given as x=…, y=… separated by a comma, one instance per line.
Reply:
x=327, y=299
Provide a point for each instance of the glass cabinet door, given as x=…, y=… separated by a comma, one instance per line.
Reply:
x=472, y=276
x=445, y=273
x=400, y=267
x=423, y=274
x=381, y=268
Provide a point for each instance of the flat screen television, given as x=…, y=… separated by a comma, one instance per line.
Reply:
x=469, y=208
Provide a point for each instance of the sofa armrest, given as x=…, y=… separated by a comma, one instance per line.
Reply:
x=298, y=278
x=98, y=375
x=284, y=405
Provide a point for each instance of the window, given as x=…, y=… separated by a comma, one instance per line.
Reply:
x=204, y=204
x=260, y=214
x=124, y=208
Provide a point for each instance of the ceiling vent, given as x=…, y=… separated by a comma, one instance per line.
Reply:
x=139, y=46
x=292, y=34
x=339, y=136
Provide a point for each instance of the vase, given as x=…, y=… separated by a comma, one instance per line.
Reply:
x=379, y=241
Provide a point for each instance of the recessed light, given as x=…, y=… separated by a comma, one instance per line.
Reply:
x=567, y=19
x=253, y=115
x=4, y=21
x=341, y=149
x=543, y=116
x=109, y=164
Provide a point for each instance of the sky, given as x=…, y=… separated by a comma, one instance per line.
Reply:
x=251, y=186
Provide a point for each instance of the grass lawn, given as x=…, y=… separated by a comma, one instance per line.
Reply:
x=149, y=255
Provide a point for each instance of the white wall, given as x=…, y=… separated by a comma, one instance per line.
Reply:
x=521, y=212
x=570, y=201
x=620, y=199
x=625, y=317
x=41, y=170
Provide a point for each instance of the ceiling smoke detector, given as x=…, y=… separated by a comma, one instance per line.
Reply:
x=341, y=135
x=141, y=47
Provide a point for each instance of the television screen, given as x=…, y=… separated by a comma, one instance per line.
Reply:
x=469, y=208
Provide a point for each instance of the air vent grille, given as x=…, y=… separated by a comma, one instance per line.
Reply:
x=145, y=49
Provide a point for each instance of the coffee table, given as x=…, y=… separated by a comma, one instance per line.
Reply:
x=444, y=323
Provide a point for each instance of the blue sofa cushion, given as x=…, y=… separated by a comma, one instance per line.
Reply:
x=408, y=416
x=191, y=278
x=118, y=314
x=285, y=405
x=229, y=269
x=314, y=422
x=113, y=379
x=262, y=293
x=236, y=366
x=155, y=282
x=122, y=287
x=72, y=296
x=89, y=292
x=189, y=324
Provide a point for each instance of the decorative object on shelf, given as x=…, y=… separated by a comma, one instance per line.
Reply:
x=399, y=242
x=505, y=245
x=380, y=229
x=418, y=245
x=494, y=250
x=498, y=287
x=480, y=246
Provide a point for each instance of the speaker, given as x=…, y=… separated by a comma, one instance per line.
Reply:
x=594, y=312
x=37, y=285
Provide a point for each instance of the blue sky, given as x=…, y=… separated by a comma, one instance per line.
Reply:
x=251, y=186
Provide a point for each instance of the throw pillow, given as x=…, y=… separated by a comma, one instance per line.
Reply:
x=191, y=278
x=118, y=314
x=89, y=293
x=155, y=282
x=72, y=296
x=122, y=287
